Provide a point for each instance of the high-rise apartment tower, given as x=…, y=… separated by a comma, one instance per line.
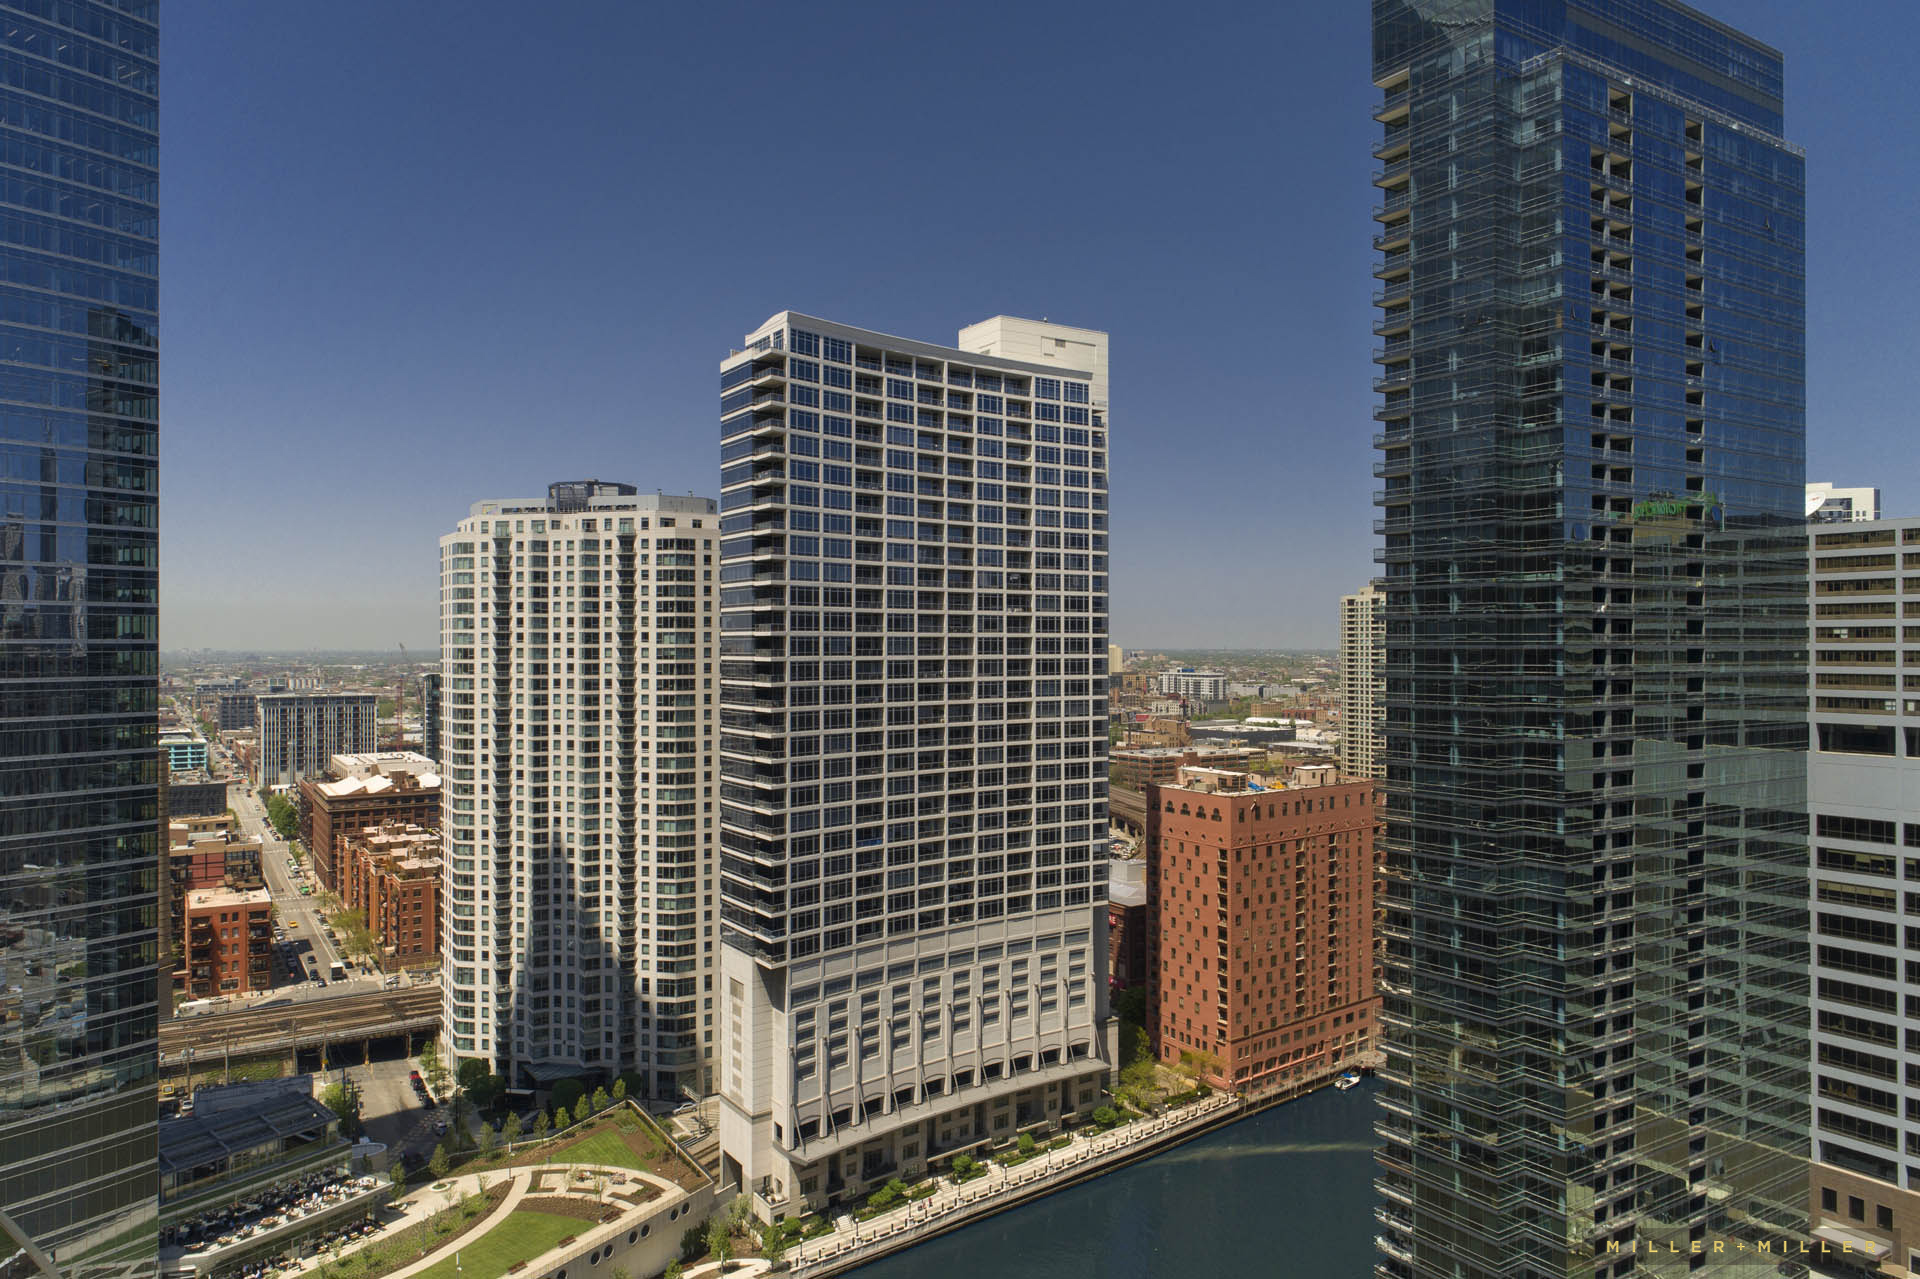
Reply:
x=1363, y=668
x=1592, y=310
x=80, y=860
x=578, y=921
x=300, y=732
x=1863, y=792
x=914, y=743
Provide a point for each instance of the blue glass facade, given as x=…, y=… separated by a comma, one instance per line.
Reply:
x=1592, y=427
x=79, y=876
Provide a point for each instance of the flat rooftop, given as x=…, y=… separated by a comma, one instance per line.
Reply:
x=215, y=898
x=241, y=1117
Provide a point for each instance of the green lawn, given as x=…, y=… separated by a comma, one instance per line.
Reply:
x=606, y=1148
x=521, y=1236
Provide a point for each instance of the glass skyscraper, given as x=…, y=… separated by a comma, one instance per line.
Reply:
x=79, y=872
x=1592, y=423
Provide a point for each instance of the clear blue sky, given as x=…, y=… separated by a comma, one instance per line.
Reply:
x=419, y=254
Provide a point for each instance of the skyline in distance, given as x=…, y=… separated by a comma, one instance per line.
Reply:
x=429, y=292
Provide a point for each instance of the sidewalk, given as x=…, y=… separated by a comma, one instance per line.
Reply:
x=853, y=1242
x=518, y=1192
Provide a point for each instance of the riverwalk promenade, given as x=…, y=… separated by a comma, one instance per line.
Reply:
x=854, y=1243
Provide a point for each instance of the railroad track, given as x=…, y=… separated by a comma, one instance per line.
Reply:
x=319, y=1022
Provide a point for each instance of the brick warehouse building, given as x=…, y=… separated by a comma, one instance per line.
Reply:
x=362, y=791
x=1262, y=932
x=392, y=875
x=229, y=941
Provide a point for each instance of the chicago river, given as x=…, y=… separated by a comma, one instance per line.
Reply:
x=1285, y=1194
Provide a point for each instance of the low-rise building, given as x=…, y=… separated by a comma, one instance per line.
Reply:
x=1205, y=686
x=184, y=751
x=1221, y=732
x=1137, y=767
x=1262, y=924
x=362, y=791
x=229, y=939
x=195, y=793
x=392, y=874
x=203, y=851
x=207, y=853
x=1127, y=923
x=252, y=1172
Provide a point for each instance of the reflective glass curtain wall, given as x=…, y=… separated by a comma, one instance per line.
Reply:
x=79, y=876
x=1592, y=316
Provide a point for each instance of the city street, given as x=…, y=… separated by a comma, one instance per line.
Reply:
x=388, y=1108
x=299, y=915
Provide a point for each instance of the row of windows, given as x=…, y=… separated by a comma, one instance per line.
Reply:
x=910, y=919
x=838, y=350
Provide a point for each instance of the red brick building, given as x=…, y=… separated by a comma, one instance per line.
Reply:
x=1127, y=928
x=392, y=875
x=1262, y=932
x=229, y=941
x=359, y=791
x=202, y=852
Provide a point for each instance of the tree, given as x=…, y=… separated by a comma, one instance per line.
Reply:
x=1198, y=1062
x=720, y=1242
x=566, y=1093
x=561, y=1118
x=511, y=1129
x=480, y=1084
x=740, y=1209
x=1025, y=1143
x=620, y=1088
x=1135, y=1047
x=284, y=817
x=440, y=1162
x=963, y=1166
x=541, y=1124
x=773, y=1245
x=673, y=1270
x=1131, y=1005
x=488, y=1139
x=398, y=1176
x=344, y=1101
x=599, y=1100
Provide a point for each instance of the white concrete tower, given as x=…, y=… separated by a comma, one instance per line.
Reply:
x=577, y=658
x=1363, y=673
